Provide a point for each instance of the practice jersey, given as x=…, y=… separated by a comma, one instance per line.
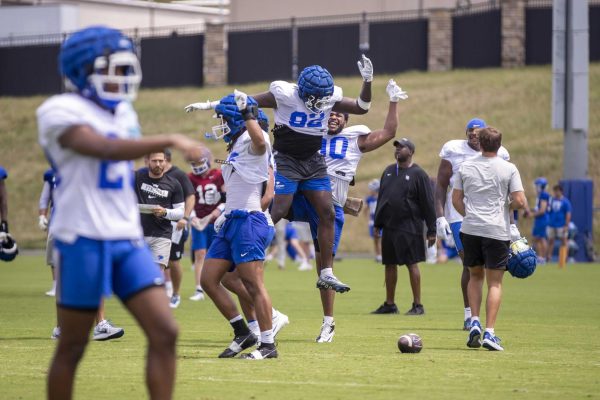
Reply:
x=456, y=152
x=244, y=174
x=291, y=110
x=543, y=196
x=342, y=156
x=94, y=198
x=208, y=188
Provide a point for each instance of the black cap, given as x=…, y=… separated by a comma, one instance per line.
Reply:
x=406, y=143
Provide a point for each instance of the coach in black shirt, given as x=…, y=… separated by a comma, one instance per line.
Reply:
x=164, y=195
x=405, y=202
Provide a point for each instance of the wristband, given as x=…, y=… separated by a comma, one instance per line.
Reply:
x=363, y=104
x=221, y=207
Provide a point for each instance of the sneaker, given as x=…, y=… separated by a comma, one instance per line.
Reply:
x=386, y=308
x=238, y=344
x=417, y=309
x=331, y=282
x=474, y=340
x=279, y=321
x=175, y=301
x=55, y=333
x=305, y=266
x=378, y=259
x=51, y=292
x=261, y=353
x=198, y=296
x=492, y=343
x=105, y=331
x=327, y=333
x=467, y=324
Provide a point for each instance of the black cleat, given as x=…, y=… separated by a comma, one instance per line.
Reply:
x=264, y=351
x=386, y=308
x=331, y=282
x=417, y=309
x=240, y=342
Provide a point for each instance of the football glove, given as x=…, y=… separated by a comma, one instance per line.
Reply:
x=366, y=69
x=43, y=222
x=200, y=223
x=241, y=99
x=219, y=222
x=395, y=92
x=443, y=228
x=522, y=259
x=514, y=233
x=207, y=105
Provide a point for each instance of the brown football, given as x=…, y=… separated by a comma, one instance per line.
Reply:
x=410, y=343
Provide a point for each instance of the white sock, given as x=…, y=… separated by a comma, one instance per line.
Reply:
x=490, y=331
x=328, y=320
x=326, y=272
x=253, y=326
x=198, y=288
x=53, y=285
x=267, y=336
x=467, y=313
x=473, y=319
x=169, y=285
x=235, y=319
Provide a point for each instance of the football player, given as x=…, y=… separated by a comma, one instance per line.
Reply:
x=371, y=201
x=89, y=136
x=342, y=149
x=452, y=155
x=8, y=246
x=45, y=205
x=540, y=223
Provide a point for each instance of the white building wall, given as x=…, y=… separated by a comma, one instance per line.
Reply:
x=25, y=20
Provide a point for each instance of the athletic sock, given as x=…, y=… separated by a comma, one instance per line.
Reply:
x=199, y=289
x=266, y=337
x=326, y=272
x=253, y=326
x=467, y=313
x=328, y=320
x=239, y=326
x=490, y=331
x=475, y=318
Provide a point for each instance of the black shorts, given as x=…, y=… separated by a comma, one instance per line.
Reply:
x=486, y=252
x=299, y=170
x=401, y=248
x=176, y=251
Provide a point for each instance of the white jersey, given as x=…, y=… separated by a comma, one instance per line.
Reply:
x=93, y=198
x=244, y=174
x=292, y=112
x=342, y=156
x=457, y=152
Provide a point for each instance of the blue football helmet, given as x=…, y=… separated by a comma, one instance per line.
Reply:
x=315, y=87
x=374, y=185
x=8, y=248
x=101, y=64
x=522, y=259
x=541, y=182
x=231, y=120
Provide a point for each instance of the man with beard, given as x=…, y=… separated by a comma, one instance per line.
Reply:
x=405, y=201
x=161, y=201
x=343, y=147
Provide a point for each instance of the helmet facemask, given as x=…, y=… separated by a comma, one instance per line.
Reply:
x=219, y=131
x=201, y=166
x=116, y=77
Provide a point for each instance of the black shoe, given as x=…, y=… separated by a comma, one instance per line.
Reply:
x=240, y=342
x=264, y=351
x=386, y=308
x=331, y=282
x=417, y=309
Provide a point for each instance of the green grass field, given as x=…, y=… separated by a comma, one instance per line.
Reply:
x=549, y=323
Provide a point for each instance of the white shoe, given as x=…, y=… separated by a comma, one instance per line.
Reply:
x=51, y=292
x=377, y=259
x=105, y=331
x=55, y=333
x=327, y=333
x=175, y=301
x=199, y=295
x=279, y=321
x=305, y=266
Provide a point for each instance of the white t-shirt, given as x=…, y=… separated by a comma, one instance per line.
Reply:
x=487, y=183
x=342, y=156
x=291, y=110
x=456, y=152
x=93, y=198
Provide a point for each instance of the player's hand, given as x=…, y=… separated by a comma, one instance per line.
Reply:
x=43, y=222
x=159, y=212
x=395, y=92
x=443, y=228
x=182, y=223
x=206, y=105
x=241, y=99
x=430, y=240
x=366, y=69
x=201, y=223
x=514, y=233
x=219, y=222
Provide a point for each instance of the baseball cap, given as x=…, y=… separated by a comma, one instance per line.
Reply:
x=475, y=123
x=406, y=143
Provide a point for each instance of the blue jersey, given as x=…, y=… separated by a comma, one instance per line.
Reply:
x=558, y=211
x=372, y=204
x=543, y=196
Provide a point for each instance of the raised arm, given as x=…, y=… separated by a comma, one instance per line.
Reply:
x=265, y=100
x=250, y=115
x=361, y=104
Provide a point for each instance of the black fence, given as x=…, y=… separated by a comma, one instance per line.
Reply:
x=477, y=39
x=29, y=70
x=399, y=46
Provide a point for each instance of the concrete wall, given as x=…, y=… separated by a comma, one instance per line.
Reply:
x=23, y=21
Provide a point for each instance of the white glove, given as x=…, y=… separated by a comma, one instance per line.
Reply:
x=450, y=241
x=366, y=69
x=200, y=223
x=207, y=105
x=43, y=222
x=212, y=196
x=219, y=222
x=241, y=99
x=395, y=92
x=514, y=233
x=443, y=228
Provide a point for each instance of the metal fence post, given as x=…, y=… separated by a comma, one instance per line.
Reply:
x=294, y=49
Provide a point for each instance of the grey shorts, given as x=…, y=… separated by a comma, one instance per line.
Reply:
x=161, y=249
x=298, y=170
x=556, y=233
x=50, y=250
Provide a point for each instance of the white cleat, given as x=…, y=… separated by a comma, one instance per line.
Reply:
x=55, y=333
x=327, y=333
x=105, y=331
x=175, y=301
x=198, y=296
x=279, y=321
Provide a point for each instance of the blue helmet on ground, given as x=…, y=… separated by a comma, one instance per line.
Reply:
x=522, y=259
x=541, y=182
x=231, y=119
x=101, y=64
x=315, y=87
x=8, y=248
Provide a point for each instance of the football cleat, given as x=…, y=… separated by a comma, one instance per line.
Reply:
x=199, y=295
x=264, y=351
x=175, y=301
x=386, y=308
x=417, y=309
x=105, y=331
x=467, y=324
x=55, y=333
x=327, y=333
x=239, y=343
x=491, y=342
x=305, y=266
x=279, y=321
x=51, y=292
x=331, y=282
x=474, y=340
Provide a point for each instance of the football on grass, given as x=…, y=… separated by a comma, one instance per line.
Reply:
x=410, y=343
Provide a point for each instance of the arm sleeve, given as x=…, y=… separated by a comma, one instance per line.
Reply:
x=175, y=213
x=45, y=196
